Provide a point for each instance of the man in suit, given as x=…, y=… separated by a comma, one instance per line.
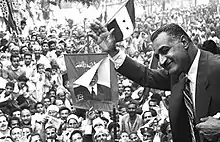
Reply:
x=94, y=91
x=182, y=61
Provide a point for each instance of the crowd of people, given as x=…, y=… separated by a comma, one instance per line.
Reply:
x=35, y=99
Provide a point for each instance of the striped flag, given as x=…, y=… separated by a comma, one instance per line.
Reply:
x=123, y=21
x=7, y=15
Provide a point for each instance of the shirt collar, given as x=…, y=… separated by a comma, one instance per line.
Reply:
x=194, y=67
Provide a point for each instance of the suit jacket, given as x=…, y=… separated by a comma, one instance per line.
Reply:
x=103, y=93
x=207, y=91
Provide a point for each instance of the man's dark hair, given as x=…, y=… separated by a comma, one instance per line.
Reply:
x=10, y=84
x=152, y=111
x=64, y=108
x=35, y=106
x=14, y=118
x=27, y=54
x=172, y=29
x=74, y=132
x=14, y=56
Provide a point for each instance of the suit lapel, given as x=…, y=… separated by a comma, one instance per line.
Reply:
x=202, y=96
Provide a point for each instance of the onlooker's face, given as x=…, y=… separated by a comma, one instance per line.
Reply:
x=101, y=137
x=26, y=117
x=131, y=109
x=17, y=114
x=27, y=59
x=47, y=102
x=8, y=89
x=147, y=117
x=40, y=108
x=45, y=47
x=40, y=69
x=134, y=138
x=76, y=138
x=14, y=123
x=127, y=91
x=3, y=123
x=16, y=134
x=172, y=53
x=147, y=137
x=59, y=103
x=15, y=62
x=64, y=114
x=35, y=138
x=25, y=49
x=51, y=133
x=26, y=132
x=72, y=123
x=52, y=113
x=124, y=135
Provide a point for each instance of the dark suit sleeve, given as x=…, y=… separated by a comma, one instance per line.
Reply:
x=158, y=79
x=87, y=138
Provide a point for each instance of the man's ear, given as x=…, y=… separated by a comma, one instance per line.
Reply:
x=185, y=41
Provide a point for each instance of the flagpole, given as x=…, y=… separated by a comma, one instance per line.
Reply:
x=116, y=12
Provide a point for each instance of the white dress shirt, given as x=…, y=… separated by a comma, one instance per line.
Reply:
x=192, y=76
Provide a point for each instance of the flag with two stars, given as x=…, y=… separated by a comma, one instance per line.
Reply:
x=123, y=21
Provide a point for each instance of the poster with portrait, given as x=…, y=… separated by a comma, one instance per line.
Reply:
x=93, y=80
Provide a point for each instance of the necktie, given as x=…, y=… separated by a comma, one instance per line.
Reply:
x=93, y=92
x=190, y=109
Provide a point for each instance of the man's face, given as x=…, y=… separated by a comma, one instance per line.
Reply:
x=26, y=117
x=40, y=108
x=47, y=102
x=16, y=134
x=17, y=114
x=147, y=137
x=101, y=137
x=131, y=109
x=147, y=117
x=127, y=91
x=14, y=123
x=51, y=133
x=37, y=52
x=134, y=138
x=3, y=123
x=76, y=138
x=8, y=90
x=26, y=132
x=171, y=53
x=27, y=59
x=15, y=62
x=45, y=47
x=72, y=123
x=64, y=114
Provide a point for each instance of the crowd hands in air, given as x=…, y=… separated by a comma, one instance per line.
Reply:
x=36, y=104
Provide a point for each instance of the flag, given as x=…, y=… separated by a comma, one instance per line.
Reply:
x=7, y=15
x=123, y=21
x=82, y=69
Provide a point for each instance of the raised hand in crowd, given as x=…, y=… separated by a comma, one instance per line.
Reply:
x=103, y=37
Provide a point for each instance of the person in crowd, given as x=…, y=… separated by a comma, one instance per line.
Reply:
x=14, y=122
x=16, y=134
x=131, y=122
x=14, y=70
x=76, y=136
x=4, y=127
x=177, y=54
